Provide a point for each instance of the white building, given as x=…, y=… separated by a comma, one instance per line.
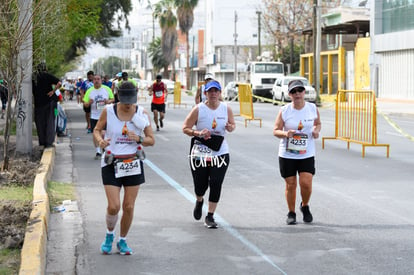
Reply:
x=392, y=49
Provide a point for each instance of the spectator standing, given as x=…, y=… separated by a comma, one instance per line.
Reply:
x=4, y=94
x=45, y=94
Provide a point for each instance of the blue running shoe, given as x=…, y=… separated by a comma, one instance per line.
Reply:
x=106, y=246
x=123, y=248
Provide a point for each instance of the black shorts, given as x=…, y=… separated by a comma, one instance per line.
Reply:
x=87, y=109
x=94, y=122
x=159, y=107
x=108, y=177
x=290, y=167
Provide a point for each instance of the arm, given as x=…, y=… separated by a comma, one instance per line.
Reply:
x=197, y=96
x=278, y=130
x=99, y=128
x=316, y=126
x=86, y=100
x=148, y=138
x=230, y=124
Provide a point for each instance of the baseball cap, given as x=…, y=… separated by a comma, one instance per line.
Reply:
x=127, y=93
x=208, y=76
x=212, y=84
x=119, y=74
x=295, y=84
x=124, y=74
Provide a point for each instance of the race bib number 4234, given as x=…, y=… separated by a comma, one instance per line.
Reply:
x=128, y=167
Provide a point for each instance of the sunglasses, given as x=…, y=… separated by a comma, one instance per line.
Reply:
x=294, y=91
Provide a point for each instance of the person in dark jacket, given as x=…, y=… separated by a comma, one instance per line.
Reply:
x=45, y=95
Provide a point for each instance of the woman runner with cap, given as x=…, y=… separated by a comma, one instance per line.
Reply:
x=128, y=126
x=209, y=153
x=297, y=125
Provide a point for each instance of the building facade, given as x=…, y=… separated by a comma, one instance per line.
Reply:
x=392, y=49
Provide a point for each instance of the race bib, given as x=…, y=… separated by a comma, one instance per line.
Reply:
x=158, y=93
x=201, y=151
x=127, y=167
x=297, y=144
x=100, y=105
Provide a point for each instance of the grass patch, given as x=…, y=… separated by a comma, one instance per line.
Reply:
x=13, y=129
x=16, y=193
x=9, y=261
x=59, y=192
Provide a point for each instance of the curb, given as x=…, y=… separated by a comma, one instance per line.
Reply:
x=33, y=254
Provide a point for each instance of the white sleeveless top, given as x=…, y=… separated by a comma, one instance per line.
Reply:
x=302, y=145
x=215, y=121
x=120, y=144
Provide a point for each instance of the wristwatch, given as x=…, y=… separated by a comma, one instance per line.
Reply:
x=141, y=140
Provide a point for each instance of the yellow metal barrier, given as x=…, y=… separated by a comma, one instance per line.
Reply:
x=246, y=103
x=177, y=95
x=356, y=119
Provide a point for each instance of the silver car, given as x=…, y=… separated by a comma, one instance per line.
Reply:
x=280, y=89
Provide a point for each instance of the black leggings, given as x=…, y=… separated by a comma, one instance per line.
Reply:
x=210, y=175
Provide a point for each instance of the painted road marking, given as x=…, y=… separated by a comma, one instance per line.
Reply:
x=397, y=128
x=223, y=223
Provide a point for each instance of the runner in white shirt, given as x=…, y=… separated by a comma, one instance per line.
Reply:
x=297, y=125
x=96, y=97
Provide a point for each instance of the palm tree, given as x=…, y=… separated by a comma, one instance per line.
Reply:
x=164, y=12
x=185, y=14
x=157, y=56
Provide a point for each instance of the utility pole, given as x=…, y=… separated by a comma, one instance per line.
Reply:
x=258, y=34
x=24, y=143
x=316, y=48
x=192, y=65
x=235, y=46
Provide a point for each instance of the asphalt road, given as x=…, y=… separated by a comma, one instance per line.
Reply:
x=362, y=207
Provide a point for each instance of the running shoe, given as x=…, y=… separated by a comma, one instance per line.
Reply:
x=198, y=210
x=291, y=218
x=106, y=246
x=123, y=248
x=209, y=222
x=89, y=130
x=158, y=128
x=161, y=123
x=307, y=215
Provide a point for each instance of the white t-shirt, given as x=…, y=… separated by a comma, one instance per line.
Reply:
x=215, y=121
x=99, y=96
x=302, y=145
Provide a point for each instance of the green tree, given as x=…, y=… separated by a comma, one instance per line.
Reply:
x=185, y=14
x=285, y=57
x=157, y=57
x=164, y=12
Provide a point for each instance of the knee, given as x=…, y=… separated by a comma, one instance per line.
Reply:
x=291, y=186
x=128, y=208
x=113, y=209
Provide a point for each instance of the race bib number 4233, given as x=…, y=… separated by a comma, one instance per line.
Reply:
x=298, y=143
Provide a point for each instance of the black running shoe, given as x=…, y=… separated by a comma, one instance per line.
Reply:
x=198, y=210
x=98, y=156
x=161, y=123
x=209, y=222
x=291, y=218
x=307, y=215
x=158, y=128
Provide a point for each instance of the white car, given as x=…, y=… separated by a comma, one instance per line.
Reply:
x=280, y=89
x=169, y=85
x=230, y=91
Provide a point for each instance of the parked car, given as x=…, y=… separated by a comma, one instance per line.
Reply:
x=280, y=89
x=169, y=84
x=230, y=91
